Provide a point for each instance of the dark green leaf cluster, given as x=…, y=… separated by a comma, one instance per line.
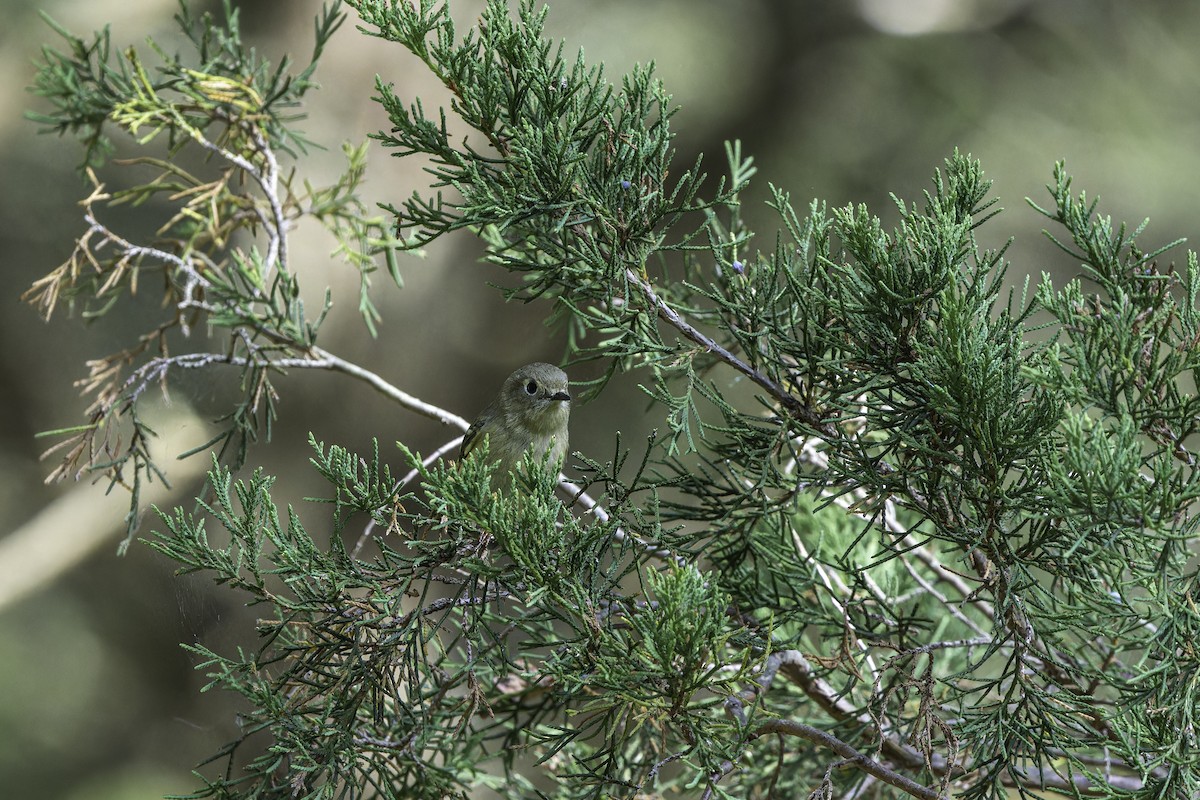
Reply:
x=574, y=191
x=489, y=630
x=895, y=384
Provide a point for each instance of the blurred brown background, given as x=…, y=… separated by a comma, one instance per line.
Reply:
x=840, y=101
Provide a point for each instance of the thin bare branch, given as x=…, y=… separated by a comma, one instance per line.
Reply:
x=323, y=359
x=852, y=756
x=789, y=401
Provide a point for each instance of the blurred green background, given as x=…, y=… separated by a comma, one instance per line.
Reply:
x=840, y=101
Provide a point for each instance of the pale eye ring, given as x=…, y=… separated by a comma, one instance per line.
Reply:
x=531, y=387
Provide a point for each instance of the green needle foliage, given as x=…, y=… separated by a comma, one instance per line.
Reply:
x=906, y=532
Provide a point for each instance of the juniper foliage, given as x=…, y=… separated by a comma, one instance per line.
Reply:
x=209, y=128
x=905, y=532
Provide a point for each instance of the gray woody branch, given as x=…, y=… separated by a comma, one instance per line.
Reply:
x=799, y=671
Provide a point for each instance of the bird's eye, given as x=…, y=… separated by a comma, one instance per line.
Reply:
x=531, y=387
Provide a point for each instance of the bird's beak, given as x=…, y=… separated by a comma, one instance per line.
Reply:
x=560, y=396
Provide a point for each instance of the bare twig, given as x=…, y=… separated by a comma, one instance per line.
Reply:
x=835, y=586
x=852, y=756
x=130, y=251
x=155, y=369
x=441, y=604
x=268, y=182
x=834, y=704
x=789, y=401
x=590, y=505
x=716, y=777
x=323, y=359
x=426, y=462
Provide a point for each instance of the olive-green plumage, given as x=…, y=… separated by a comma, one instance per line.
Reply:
x=530, y=412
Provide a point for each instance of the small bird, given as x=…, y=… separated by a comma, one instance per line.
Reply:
x=529, y=413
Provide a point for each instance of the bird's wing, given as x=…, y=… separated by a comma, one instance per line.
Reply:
x=472, y=435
